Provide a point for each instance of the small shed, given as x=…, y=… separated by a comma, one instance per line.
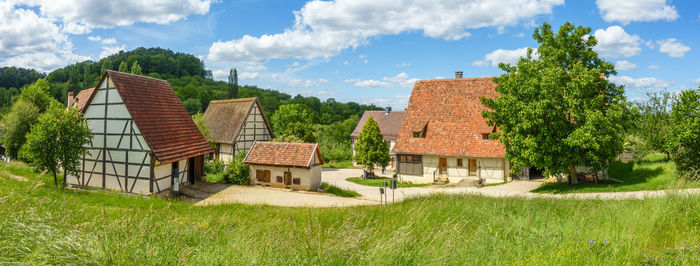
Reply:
x=285, y=165
x=234, y=125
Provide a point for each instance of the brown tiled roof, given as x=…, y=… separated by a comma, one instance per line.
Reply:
x=450, y=111
x=225, y=118
x=160, y=116
x=283, y=153
x=81, y=99
x=389, y=124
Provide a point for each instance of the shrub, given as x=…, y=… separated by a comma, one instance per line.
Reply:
x=214, y=167
x=237, y=171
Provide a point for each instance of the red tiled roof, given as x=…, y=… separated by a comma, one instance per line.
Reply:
x=283, y=154
x=82, y=98
x=389, y=125
x=450, y=111
x=160, y=116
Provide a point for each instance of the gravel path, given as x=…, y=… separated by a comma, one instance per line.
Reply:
x=222, y=194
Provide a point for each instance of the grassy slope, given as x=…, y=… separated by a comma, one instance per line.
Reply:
x=42, y=224
x=340, y=164
x=339, y=191
x=379, y=182
x=652, y=173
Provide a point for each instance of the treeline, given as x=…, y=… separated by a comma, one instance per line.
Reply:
x=195, y=87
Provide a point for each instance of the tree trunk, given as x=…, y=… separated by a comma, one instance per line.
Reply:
x=55, y=178
x=573, y=179
x=64, y=177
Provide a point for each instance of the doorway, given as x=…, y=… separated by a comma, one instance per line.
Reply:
x=190, y=170
x=472, y=167
x=443, y=165
x=287, y=178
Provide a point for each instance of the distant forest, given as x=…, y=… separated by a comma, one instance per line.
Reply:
x=186, y=74
x=195, y=87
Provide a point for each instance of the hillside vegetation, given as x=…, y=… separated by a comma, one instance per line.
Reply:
x=46, y=225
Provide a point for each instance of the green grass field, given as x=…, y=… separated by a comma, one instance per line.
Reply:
x=379, y=182
x=42, y=224
x=654, y=172
x=339, y=191
x=340, y=164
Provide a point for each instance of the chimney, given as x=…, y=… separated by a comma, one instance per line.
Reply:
x=387, y=109
x=458, y=74
x=70, y=99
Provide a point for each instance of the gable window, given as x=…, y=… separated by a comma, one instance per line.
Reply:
x=485, y=136
x=410, y=164
x=416, y=134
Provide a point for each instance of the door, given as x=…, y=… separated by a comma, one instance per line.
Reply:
x=472, y=167
x=190, y=169
x=443, y=165
x=287, y=178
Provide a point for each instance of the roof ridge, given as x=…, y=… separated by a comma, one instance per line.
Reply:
x=135, y=75
x=453, y=79
x=234, y=100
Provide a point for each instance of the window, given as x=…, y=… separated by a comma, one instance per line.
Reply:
x=485, y=136
x=459, y=162
x=279, y=179
x=297, y=181
x=410, y=164
x=262, y=175
x=416, y=134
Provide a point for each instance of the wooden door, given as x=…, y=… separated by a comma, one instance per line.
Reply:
x=190, y=169
x=443, y=165
x=287, y=178
x=472, y=167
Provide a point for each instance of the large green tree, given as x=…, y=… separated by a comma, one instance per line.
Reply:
x=370, y=147
x=558, y=111
x=685, y=134
x=57, y=141
x=652, y=127
x=233, y=83
x=293, y=119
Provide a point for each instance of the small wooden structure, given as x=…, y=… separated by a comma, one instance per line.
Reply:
x=143, y=138
x=235, y=124
x=285, y=165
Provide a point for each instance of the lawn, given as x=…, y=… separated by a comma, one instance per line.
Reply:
x=379, y=182
x=339, y=164
x=338, y=191
x=653, y=172
x=42, y=224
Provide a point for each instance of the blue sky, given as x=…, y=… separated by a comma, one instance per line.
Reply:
x=366, y=51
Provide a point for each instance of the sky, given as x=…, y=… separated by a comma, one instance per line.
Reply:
x=367, y=51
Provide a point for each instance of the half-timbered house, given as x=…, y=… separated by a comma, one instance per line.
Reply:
x=143, y=138
x=235, y=124
x=444, y=138
x=285, y=165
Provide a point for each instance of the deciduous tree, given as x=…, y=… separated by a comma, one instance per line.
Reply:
x=293, y=119
x=233, y=83
x=685, y=134
x=57, y=141
x=558, y=111
x=136, y=68
x=370, y=147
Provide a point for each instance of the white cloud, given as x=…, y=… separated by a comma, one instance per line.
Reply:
x=249, y=75
x=96, y=38
x=401, y=80
x=404, y=64
x=324, y=29
x=638, y=10
x=306, y=83
x=624, y=65
x=365, y=61
x=614, y=42
x=109, y=41
x=31, y=41
x=642, y=83
x=672, y=47
x=110, y=50
x=505, y=56
x=654, y=67
x=80, y=16
x=255, y=67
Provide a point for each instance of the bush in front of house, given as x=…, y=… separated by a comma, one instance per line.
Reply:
x=237, y=171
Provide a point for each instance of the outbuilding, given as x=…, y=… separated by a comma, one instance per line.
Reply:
x=285, y=165
x=234, y=125
x=144, y=141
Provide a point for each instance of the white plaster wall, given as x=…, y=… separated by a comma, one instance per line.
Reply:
x=310, y=178
x=491, y=169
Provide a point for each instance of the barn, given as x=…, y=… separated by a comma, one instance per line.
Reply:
x=143, y=138
x=285, y=165
x=234, y=125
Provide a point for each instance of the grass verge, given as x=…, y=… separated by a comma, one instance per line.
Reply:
x=340, y=164
x=654, y=172
x=339, y=191
x=42, y=224
x=379, y=182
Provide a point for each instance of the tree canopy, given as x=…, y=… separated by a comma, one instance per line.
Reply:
x=293, y=120
x=370, y=147
x=558, y=111
x=685, y=134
